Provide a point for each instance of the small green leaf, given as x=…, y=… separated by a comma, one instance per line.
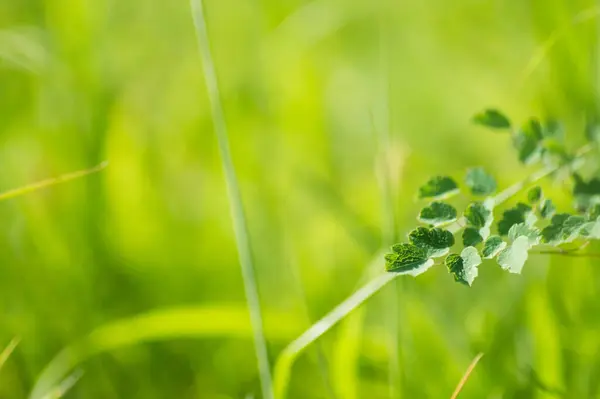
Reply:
x=547, y=209
x=513, y=257
x=553, y=129
x=563, y=228
x=586, y=193
x=464, y=266
x=407, y=259
x=519, y=214
x=480, y=182
x=435, y=242
x=492, y=118
x=477, y=215
x=471, y=237
x=438, y=213
x=594, y=212
x=438, y=187
x=492, y=247
x=527, y=141
x=534, y=195
x=524, y=230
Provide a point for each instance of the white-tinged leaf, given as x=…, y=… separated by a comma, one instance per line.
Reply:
x=513, y=257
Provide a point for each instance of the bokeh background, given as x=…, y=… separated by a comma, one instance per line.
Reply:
x=337, y=111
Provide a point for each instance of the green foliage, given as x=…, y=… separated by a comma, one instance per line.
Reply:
x=547, y=210
x=492, y=247
x=477, y=215
x=518, y=223
x=480, y=182
x=471, y=237
x=464, y=266
x=435, y=242
x=519, y=214
x=534, y=195
x=563, y=228
x=528, y=141
x=407, y=258
x=437, y=213
x=586, y=193
x=513, y=257
x=438, y=187
x=492, y=118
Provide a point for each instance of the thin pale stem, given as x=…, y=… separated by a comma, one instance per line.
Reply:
x=235, y=201
x=8, y=351
x=466, y=376
x=291, y=352
x=51, y=182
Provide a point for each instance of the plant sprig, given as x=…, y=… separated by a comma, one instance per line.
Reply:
x=521, y=227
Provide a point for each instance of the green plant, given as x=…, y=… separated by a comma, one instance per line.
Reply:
x=520, y=228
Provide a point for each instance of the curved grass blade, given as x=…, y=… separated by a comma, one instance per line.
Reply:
x=65, y=385
x=16, y=192
x=465, y=377
x=8, y=351
x=235, y=200
x=160, y=325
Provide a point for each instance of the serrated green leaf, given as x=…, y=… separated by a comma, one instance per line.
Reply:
x=592, y=229
x=464, y=266
x=480, y=182
x=477, y=215
x=438, y=213
x=524, y=230
x=534, y=195
x=593, y=212
x=492, y=247
x=435, y=242
x=513, y=257
x=586, y=193
x=519, y=214
x=471, y=237
x=564, y=228
x=407, y=258
x=492, y=118
x=547, y=209
x=438, y=187
x=528, y=140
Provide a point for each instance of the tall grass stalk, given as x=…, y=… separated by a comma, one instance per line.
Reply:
x=235, y=200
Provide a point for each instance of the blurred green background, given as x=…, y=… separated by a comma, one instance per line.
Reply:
x=337, y=111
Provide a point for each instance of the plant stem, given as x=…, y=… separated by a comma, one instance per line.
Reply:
x=51, y=182
x=235, y=201
x=287, y=357
x=465, y=377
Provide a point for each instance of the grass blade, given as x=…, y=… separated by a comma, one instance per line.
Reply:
x=235, y=201
x=465, y=377
x=16, y=192
x=8, y=351
x=65, y=385
x=214, y=321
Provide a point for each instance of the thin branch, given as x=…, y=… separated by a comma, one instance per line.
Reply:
x=51, y=182
x=287, y=357
x=235, y=200
x=592, y=255
x=466, y=376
